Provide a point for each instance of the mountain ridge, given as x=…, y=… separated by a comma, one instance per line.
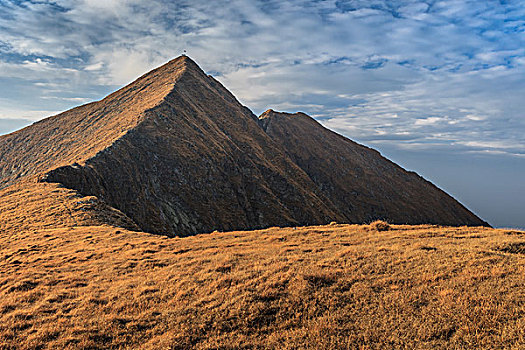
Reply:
x=344, y=170
x=178, y=154
x=71, y=124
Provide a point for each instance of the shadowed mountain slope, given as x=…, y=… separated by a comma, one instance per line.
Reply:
x=175, y=153
x=362, y=184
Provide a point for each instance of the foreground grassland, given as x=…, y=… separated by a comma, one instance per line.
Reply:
x=323, y=287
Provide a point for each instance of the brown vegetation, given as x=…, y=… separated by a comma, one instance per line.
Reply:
x=29, y=205
x=380, y=225
x=320, y=287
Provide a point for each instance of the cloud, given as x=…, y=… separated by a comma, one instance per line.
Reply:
x=450, y=70
x=9, y=125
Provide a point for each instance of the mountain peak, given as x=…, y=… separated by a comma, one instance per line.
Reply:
x=186, y=59
x=267, y=113
x=180, y=63
x=361, y=183
x=269, y=116
x=80, y=133
x=273, y=113
x=176, y=153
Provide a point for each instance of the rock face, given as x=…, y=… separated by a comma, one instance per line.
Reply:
x=177, y=154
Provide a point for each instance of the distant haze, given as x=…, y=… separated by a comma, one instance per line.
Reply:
x=436, y=86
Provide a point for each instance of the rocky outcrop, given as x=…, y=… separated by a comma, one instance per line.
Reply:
x=177, y=154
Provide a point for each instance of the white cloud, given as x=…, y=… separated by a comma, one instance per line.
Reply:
x=450, y=70
x=428, y=121
x=94, y=66
x=24, y=114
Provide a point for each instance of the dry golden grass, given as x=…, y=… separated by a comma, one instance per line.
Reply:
x=30, y=205
x=323, y=287
x=380, y=225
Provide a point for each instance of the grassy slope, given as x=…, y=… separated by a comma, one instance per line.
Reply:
x=30, y=205
x=341, y=286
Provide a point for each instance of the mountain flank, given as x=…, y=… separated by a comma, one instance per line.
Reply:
x=175, y=153
x=362, y=184
x=35, y=206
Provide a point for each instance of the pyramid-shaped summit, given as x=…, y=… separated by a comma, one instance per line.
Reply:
x=177, y=154
x=80, y=133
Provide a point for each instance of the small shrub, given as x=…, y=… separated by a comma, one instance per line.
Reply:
x=380, y=225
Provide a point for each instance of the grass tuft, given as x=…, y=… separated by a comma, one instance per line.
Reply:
x=380, y=225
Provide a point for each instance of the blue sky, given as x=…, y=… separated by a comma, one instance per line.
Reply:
x=437, y=86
